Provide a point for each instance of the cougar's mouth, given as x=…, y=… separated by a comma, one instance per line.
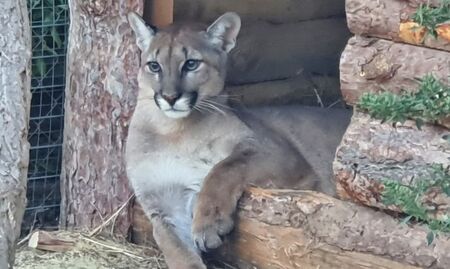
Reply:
x=176, y=114
x=176, y=106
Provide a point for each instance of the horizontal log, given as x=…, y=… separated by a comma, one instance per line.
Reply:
x=371, y=152
x=304, y=90
x=47, y=241
x=390, y=19
x=274, y=11
x=375, y=65
x=267, y=52
x=434, y=3
x=300, y=229
x=286, y=229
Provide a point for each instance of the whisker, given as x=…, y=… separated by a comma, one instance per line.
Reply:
x=231, y=97
x=197, y=108
x=218, y=104
x=212, y=106
x=204, y=108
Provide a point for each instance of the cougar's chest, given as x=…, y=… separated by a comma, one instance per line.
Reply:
x=186, y=162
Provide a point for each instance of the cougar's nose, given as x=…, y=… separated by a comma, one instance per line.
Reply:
x=171, y=99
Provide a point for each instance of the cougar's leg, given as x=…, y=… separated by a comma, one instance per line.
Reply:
x=177, y=253
x=217, y=200
x=170, y=210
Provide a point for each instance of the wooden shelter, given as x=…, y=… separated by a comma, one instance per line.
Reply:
x=293, y=229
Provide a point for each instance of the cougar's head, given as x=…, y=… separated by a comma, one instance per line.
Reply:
x=183, y=67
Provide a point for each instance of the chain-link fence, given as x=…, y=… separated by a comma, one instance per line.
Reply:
x=49, y=24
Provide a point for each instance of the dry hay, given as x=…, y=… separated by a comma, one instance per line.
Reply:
x=91, y=253
x=95, y=252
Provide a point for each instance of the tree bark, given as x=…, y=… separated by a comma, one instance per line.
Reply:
x=281, y=11
x=390, y=19
x=287, y=229
x=374, y=65
x=371, y=152
x=100, y=98
x=293, y=229
x=15, y=97
x=284, y=51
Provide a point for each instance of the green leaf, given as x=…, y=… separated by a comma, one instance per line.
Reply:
x=406, y=220
x=48, y=49
x=431, y=102
x=419, y=123
x=430, y=237
x=40, y=68
x=56, y=37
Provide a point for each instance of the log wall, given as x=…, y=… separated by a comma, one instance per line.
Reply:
x=273, y=11
x=390, y=19
x=375, y=65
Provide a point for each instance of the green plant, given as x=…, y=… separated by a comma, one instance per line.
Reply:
x=430, y=17
x=409, y=198
x=430, y=103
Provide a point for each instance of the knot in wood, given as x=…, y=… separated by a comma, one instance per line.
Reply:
x=297, y=219
x=379, y=68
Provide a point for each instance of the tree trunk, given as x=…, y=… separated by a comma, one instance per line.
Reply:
x=374, y=65
x=371, y=152
x=299, y=229
x=390, y=19
x=280, y=11
x=15, y=97
x=284, y=51
x=100, y=97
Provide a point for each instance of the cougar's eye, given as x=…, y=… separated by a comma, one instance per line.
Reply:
x=154, y=67
x=191, y=65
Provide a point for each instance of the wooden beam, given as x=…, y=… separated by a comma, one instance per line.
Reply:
x=283, y=229
x=375, y=65
x=46, y=241
x=272, y=11
x=286, y=229
x=391, y=19
x=371, y=152
x=158, y=13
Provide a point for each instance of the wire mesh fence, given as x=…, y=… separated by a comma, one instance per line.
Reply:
x=49, y=24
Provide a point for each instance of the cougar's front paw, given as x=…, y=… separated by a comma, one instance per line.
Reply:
x=211, y=222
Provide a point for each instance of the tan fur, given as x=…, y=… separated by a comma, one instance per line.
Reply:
x=190, y=155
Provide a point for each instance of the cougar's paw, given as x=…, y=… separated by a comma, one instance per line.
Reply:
x=210, y=224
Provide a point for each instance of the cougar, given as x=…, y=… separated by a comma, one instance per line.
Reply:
x=190, y=155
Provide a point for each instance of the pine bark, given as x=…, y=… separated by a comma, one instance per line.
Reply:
x=15, y=97
x=100, y=98
x=297, y=229
x=287, y=229
x=390, y=19
x=371, y=152
x=375, y=65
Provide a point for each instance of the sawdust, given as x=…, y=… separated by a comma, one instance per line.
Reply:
x=91, y=253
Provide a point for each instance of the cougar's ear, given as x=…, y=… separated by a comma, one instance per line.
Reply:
x=144, y=33
x=223, y=32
